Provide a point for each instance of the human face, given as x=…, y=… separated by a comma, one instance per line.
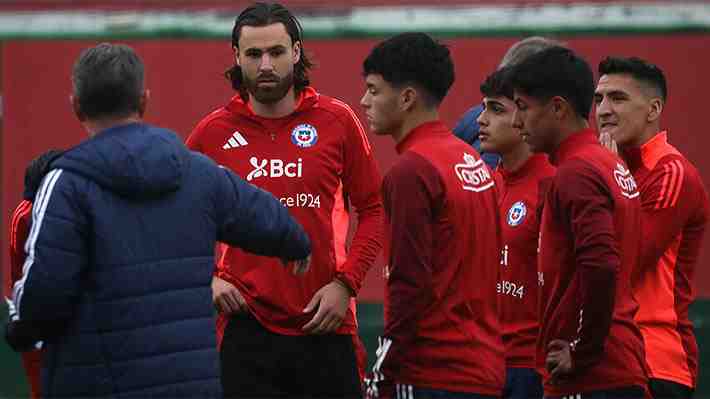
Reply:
x=381, y=105
x=267, y=58
x=623, y=108
x=496, y=132
x=535, y=122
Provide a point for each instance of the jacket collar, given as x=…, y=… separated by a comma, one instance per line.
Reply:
x=569, y=146
x=649, y=153
x=425, y=130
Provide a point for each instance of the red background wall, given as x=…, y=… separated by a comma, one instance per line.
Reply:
x=185, y=79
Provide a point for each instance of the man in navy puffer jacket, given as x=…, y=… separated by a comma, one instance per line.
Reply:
x=121, y=250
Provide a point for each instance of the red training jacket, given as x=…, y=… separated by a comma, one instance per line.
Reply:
x=589, y=248
x=441, y=315
x=317, y=161
x=674, y=216
x=522, y=197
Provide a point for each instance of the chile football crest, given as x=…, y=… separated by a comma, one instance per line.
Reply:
x=304, y=135
x=517, y=213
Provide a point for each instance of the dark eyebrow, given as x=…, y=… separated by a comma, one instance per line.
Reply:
x=618, y=92
x=612, y=93
x=276, y=47
x=495, y=102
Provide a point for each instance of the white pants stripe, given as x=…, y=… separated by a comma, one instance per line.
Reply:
x=403, y=391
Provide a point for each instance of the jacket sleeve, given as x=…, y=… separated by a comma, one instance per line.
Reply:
x=254, y=220
x=588, y=204
x=56, y=253
x=413, y=193
x=673, y=202
x=362, y=184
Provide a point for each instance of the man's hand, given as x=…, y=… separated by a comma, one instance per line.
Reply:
x=559, y=360
x=607, y=141
x=21, y=336
x=227, y=298
x=300, y=267
x=332, y=301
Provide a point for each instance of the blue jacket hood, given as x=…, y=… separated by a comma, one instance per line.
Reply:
x=134, y=160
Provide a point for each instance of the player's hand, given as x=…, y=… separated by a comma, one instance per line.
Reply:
x=607, y=141
x=300, y=267
x=332, y=302
x=559, y=360
x=226, y=297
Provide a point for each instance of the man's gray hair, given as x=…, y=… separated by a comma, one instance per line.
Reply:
x=525, y=48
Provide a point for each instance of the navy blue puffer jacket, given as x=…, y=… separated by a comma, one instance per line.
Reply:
x=120, y=262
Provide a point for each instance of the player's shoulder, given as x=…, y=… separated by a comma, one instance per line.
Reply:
x=675, y=165
x=410, y=164
x=582, y=165
x=210, y=128
x=336, y=107
x=219, y=117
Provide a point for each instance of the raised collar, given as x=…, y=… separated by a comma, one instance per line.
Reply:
x=423, y=131
x=569, y=145
x=649, y=153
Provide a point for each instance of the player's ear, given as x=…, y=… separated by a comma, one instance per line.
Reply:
x=77, y=108
x=408, y=98
x=560, y=107
x=143, y=102
x=297, y=52
x=236, y=56
x=655, y=110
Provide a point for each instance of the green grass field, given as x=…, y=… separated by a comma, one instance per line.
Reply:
x=13, y=384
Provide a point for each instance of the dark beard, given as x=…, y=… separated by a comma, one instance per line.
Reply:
x=269, y=95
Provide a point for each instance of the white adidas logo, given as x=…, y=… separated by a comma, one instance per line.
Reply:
x=237, y=140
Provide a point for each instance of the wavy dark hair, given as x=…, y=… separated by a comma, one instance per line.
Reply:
x=264, y=14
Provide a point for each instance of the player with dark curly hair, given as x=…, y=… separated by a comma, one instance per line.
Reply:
x=442, y=336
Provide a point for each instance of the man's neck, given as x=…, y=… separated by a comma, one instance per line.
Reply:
x=279, y=109
x=414, y=120
x=516, y=158
x=95, y=126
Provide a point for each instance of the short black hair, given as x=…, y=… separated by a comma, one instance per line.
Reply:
x=555, y=71
x=413, y=58
x=36, y=170
x=265, y=14
x=108, y=81
x=496, y=85
x=641, y=70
